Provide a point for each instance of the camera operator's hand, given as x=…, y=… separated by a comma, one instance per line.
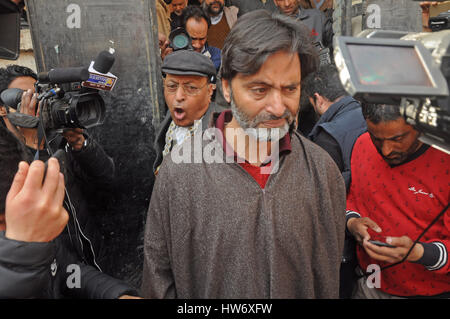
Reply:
x=164, y=48
x=3, y=112
x=29, y=106
x=75, y=138
x=425, y=5
x=34, y=210
x=129, y=297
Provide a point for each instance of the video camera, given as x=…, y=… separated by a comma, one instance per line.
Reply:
x=68, y=97
x=409, y=70
x=179, y=39
x=440, y=22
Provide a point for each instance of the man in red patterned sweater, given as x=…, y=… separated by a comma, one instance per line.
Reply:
x=399, y=185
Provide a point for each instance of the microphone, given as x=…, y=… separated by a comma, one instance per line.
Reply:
x=104, y=62
x=64, y=75
x=99, y=76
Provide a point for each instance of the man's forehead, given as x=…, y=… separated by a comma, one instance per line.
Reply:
x=389, y=129
x=178, y=2
x=184, y=78
x=282, y=59
x=23, y=83
x=289, y=2
x=193, y=22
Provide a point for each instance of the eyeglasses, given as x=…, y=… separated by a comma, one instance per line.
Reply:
x=189, y=89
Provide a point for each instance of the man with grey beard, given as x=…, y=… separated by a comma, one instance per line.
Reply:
x=257, y=211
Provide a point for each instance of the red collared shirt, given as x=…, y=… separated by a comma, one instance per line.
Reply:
x=255, y=171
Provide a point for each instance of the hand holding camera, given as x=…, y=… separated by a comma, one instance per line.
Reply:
x=34, y=210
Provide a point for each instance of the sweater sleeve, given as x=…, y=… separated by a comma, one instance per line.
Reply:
x=157, y=278
x=352, y=209
x=435, y=255
x=93, y=165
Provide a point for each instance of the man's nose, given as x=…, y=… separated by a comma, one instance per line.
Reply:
x=276, y=105
x=180, y=95
x=197, y=45
x=387, y=148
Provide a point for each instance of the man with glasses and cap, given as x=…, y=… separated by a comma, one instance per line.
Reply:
x=188, y=88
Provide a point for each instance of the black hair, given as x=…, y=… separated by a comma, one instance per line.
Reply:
x=325, y=82
x=377, y=113
x=195, y=12
x=12, y=151
x=259, y=34
x=13, y=71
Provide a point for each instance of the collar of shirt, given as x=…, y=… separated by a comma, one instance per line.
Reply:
x=216, y=19
x=205, y=51
x=176, y=135
x=302, y=14
x=226, y=117
x=181, y=133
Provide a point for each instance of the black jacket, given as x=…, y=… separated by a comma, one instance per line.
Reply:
x=342, y=124
x=25, y=268
x=87, y=173
x=41, y=270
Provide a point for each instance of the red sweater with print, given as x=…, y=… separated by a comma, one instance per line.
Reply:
x=403, y=200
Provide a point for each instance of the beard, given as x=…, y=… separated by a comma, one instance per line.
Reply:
x=210, y=9
x=262, y=134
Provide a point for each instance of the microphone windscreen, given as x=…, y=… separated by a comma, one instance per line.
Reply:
x=103, y=62
x=43, y=77
x=67, y=75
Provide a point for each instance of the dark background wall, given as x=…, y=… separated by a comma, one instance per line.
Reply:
x=72, y=33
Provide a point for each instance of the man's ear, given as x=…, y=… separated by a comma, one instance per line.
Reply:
x=211, y=88
x=320, y=101
x=226, y=90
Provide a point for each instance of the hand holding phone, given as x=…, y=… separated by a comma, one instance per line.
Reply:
x=381, y=244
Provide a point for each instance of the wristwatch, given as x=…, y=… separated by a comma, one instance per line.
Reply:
x=85, y=144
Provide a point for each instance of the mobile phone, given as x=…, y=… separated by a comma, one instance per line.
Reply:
x=381, y=244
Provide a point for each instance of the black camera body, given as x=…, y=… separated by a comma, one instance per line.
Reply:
x=68, y=97
x=440, y=22
x=71, y=106
x=409, y=70
x=179, y=39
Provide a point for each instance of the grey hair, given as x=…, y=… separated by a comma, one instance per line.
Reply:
x=259, y=34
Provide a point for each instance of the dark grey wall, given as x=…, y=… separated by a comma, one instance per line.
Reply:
x=352, y=16
x=71, y=33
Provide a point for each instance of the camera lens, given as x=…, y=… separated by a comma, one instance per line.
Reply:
x=89, y=110
x=180, y=41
